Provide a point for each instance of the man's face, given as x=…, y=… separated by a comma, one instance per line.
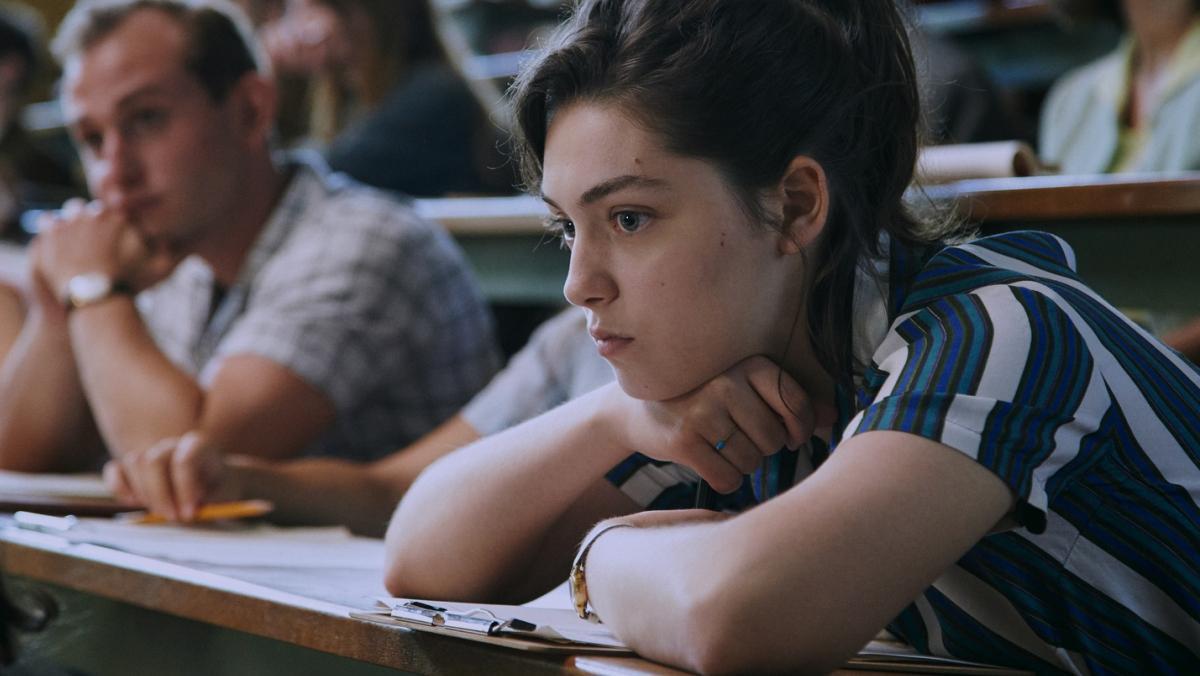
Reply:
x=154, y=145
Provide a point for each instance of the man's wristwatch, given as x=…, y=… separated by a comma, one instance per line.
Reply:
x=90, y=288
x=577, y=581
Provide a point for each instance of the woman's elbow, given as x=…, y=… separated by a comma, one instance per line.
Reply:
x=402, y=575
x=409, y=574
x=402, y=567
x=394, y=579
x=726, y=633
x=414, y=566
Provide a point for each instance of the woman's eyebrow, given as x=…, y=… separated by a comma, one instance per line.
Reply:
x=612, y=185
x=606, y=188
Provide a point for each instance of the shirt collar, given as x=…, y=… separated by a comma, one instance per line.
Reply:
x=870, y=311
x=306, y=185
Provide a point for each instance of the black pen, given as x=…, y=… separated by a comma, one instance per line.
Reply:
x=704, y=496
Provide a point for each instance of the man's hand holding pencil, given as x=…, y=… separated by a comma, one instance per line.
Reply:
x=173, y=478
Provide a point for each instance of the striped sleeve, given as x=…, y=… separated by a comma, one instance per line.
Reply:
x=1000, y=374
x=655, y=484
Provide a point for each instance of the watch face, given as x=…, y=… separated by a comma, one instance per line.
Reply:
x=88, y=288
x=578, y=591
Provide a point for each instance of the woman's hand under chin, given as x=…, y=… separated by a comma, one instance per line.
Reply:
x=724, y=428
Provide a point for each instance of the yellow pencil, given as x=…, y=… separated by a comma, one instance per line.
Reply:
x=216, y=511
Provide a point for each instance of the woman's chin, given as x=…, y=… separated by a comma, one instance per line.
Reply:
x=646, y=388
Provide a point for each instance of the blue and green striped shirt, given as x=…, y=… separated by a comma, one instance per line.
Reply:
x=997, y=349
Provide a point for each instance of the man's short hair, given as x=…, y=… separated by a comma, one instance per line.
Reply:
x=221, y=45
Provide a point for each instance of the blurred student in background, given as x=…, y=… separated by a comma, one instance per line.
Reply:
x=1135, y=109
x=385, y=99
x=558, y=364
x=30, y=174
x=261, y=11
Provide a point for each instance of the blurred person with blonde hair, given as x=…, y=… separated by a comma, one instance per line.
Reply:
x=386, y=101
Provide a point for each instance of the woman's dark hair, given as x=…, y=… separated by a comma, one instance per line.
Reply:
x=749, y=86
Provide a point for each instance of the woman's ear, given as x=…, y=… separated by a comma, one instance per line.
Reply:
x=804, y=192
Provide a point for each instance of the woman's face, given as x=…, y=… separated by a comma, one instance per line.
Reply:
x=678, y=283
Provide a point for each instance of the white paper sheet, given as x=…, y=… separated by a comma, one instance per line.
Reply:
x=559, y=598
x=236, y=544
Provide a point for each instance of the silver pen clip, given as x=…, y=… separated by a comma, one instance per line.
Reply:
x=416, y=611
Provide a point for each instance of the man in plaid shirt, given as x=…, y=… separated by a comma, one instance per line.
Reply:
x=212, y=286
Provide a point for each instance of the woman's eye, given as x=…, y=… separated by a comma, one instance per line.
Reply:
x=631, y=221
x=562, y=227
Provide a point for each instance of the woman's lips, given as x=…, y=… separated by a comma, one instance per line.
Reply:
x=609, y=344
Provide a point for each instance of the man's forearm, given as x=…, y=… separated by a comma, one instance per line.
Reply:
x=317, y=491
x=137, y=395
x=44, y=421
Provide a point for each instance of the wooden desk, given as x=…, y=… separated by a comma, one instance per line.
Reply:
x=128, y=614
x=1137, y=238
x=125, y=614
x=504, y=238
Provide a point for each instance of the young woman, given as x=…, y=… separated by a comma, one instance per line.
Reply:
x=977, y=451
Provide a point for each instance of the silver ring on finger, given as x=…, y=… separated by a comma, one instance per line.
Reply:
x=724, y=441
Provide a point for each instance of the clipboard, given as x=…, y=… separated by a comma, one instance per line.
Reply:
x=517, y=627
x=538, y=630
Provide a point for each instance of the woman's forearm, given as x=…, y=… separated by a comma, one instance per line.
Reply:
x=639, y=583
x=456, y=538
x=695, y=595
x=802, y=581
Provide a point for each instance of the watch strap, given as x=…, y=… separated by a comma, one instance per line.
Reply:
x=72, y=301
x=578, y=577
